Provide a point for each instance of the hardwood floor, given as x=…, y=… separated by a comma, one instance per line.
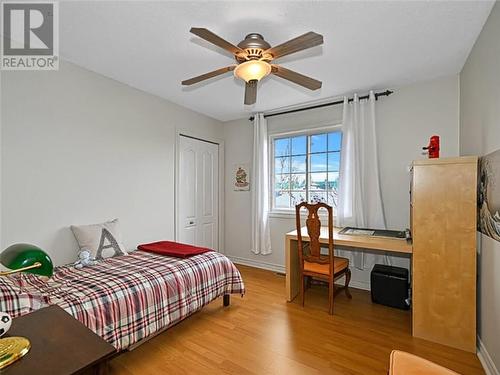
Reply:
x=263, y=334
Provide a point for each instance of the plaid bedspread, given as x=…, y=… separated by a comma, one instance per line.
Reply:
x=127, y=298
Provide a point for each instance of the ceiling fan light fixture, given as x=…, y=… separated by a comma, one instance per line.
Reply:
x=253, y=57
x=253, y=70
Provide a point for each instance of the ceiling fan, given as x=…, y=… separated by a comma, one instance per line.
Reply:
x=254, y=57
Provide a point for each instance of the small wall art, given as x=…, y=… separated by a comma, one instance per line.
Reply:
x=241, y=177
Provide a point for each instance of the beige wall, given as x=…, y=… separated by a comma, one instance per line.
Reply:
x=81, y=148
x=405, y=121
x=479, y=135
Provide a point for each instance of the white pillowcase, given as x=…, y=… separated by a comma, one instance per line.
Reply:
x=102, y=240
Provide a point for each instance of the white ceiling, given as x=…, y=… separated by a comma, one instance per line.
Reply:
x=368, y=45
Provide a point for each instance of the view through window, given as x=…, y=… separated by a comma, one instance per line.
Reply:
x=306, y=167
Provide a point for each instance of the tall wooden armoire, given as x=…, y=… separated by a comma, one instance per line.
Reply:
x=443, y=224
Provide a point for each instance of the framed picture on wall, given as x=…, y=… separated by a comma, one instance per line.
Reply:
x=241, y=177
x=488, y=220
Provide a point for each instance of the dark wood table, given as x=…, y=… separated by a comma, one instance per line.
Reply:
x=60, y=345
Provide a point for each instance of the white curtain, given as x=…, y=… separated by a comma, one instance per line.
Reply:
x=261, y=235
x=360, y=200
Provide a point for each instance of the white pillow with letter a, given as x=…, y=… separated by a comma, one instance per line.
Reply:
x=102, y=240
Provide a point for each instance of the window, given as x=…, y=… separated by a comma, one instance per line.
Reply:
x=306, y=167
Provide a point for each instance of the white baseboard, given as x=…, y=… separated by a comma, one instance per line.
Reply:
x=257, y=264
x=359, y=285
x=485, y=359
x=281, y=269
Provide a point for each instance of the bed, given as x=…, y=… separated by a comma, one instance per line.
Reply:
x=126, y=299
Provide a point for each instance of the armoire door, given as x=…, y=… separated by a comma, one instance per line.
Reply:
x=444, y=210
x=198, y=193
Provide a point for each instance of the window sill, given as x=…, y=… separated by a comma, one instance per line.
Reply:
x=285, y=214
x=282, y=214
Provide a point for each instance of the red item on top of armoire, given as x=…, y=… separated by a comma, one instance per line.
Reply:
x=433, y=147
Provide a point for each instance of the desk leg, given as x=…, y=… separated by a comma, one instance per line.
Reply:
x=102, y=368
x=292, y=269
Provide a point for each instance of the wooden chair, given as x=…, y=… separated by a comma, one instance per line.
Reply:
x=312, y=263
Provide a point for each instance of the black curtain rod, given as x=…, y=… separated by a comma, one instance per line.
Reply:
x=377, y=94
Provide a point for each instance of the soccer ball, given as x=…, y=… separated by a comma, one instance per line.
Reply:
x=5, y=322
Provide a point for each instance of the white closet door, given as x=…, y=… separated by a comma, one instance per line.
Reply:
x=198, y=193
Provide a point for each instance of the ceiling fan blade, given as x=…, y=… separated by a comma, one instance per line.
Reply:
x=205, y=76
x=251, y=92
x=217, y=40
x=300, y=79
x=308, y=40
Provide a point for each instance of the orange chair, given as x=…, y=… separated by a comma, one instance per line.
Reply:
x=402, y=363
x=312, y=263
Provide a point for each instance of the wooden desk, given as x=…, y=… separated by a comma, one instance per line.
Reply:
x=60, y=345
x=395, y=245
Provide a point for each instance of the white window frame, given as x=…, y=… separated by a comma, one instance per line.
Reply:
x=290, y=212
